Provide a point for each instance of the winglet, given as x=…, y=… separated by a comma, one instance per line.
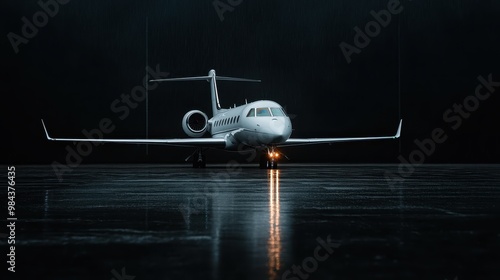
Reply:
x=398, y=134
x=46, y=133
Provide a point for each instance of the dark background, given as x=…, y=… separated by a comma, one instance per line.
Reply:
x=91, y=52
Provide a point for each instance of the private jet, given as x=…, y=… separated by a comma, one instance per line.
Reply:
x=262, y=125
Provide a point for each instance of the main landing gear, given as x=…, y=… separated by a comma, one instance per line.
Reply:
x=269, y=159
x=199, y=160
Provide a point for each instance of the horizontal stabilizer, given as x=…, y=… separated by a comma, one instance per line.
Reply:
x=205, y=78
x=199, y=78
x=222, y=78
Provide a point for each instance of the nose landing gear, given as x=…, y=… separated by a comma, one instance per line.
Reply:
x=269, y=159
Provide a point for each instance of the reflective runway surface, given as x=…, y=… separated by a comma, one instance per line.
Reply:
x=229, y=222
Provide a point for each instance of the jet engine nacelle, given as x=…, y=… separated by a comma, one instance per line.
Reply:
x=195, y=123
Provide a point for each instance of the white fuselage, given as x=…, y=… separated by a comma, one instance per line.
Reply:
x=255, y=124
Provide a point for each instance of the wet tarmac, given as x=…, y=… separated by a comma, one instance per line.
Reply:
x=230, y=222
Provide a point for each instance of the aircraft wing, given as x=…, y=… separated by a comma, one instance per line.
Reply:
x=313, y=141
x=180, y=142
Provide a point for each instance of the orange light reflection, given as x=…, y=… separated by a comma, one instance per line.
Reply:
x=274, y=241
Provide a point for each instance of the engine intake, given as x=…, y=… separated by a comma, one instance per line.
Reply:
x=195, y=123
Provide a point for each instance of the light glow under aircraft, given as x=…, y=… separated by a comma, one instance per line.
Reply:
x=262, y=125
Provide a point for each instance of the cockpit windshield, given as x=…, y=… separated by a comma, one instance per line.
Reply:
x=251, y=113
x=278, y=112
x=266, y=112
x=263, y=112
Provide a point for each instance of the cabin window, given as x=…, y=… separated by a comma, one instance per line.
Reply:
x=251, y=113
x=263, y=112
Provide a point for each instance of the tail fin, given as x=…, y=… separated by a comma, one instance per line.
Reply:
x=213, y=85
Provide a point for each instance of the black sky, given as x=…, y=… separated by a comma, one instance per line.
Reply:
x=92, y=52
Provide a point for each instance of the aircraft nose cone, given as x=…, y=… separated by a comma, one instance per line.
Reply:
x=278, y=129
